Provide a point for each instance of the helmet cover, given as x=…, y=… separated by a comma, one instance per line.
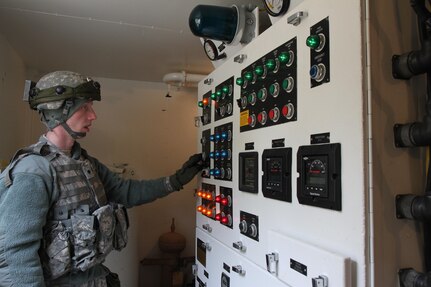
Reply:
x=58, y=95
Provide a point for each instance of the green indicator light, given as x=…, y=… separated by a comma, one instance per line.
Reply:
x=225, y=89
x=313, y=41
x=258, y=70
x=260, y=94
x=200, y=104
x=239, y=81
x=248, y=76
x=218, y=93
x=213, y=96
x=285, y=84
x=284, y=57
x=270, y=64
x=272, y=89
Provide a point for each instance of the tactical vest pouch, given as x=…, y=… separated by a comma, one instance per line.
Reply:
x=121, y=226
x=58, y=251
x=106, y=221
x=84, y=238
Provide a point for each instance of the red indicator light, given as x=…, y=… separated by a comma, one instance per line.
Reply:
x=271, y=114
x=218, y=217
x=205, y=101
x=217, y=198
x=285, y=110
x=250, y=120
x=224, y=201
x=224, y=220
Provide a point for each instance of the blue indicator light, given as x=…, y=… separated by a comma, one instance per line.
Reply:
x=314, y=71
x=212, y=138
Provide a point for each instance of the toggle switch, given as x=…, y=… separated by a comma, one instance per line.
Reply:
x=206, y=246
x=271, y=262
x=321, y=281
x=240, y=246
x=238, y=269
x=207, y=227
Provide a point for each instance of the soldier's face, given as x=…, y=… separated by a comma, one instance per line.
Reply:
x=82, y=119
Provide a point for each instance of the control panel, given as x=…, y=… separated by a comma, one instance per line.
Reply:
x=286, y=196
x=268, y=89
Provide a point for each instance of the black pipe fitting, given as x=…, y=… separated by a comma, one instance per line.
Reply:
x=408, y=277
x=413, y=134
x=412, y=63
x=411, y=206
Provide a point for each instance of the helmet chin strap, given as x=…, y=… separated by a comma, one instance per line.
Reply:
x=73, y=134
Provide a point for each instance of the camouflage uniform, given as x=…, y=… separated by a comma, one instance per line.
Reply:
x=61, y=214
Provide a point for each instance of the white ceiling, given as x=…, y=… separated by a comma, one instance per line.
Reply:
x=124, y=39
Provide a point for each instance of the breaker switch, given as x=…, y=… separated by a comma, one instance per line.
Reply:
x=321, y=281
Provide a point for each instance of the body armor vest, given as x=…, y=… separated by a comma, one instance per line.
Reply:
x=82, y=226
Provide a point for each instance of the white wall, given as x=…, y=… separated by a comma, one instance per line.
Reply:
x=14, y=113
x=154, y=135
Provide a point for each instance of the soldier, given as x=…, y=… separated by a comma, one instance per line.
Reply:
x=61, y=210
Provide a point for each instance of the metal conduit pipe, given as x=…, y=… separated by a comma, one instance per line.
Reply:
x=413, y=207
x=410, y=278
x=412, y=63
x=413, y=134
x=182, y=79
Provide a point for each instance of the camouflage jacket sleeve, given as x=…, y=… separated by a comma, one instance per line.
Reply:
x=23, y=209
x=131, y=192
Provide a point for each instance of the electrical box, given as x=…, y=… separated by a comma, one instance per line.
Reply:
x=301, y=173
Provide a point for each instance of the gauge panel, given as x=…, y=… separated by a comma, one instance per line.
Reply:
x=277, y=173
x=319, y=181
x=248, y=171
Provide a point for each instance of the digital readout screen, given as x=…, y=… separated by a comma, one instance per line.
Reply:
x=249, y=176
x=316, y=171
x=274, y=169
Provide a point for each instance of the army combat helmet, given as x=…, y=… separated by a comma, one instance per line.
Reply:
x=58, y=95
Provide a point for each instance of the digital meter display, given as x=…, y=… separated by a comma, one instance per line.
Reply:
x=277, y=173
x=316, y=175
x=275, y=170
x=319, y=181
x=248, y=172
